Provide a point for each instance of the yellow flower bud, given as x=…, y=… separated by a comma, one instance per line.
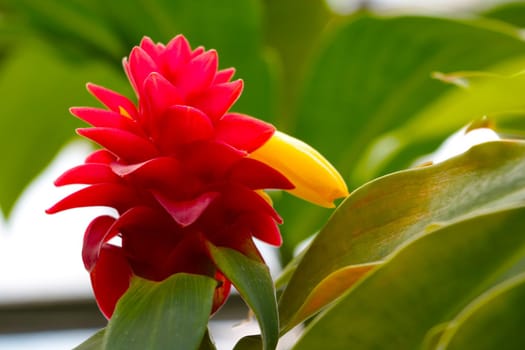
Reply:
x=315, y=179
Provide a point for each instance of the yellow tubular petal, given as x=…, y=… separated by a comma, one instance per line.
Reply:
x=315, y=179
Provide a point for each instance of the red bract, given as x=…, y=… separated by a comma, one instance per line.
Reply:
x=175, y=167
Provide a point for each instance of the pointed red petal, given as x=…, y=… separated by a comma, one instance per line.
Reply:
x=256, y=175
x=104, y=118
x=180, y=125
x=87, y=174
x=97, y=233
x=176, y=55
x=162, y=174
x=110, y=278
x=161, y=165
x=109, y=195
x=218, y=99
x=198, y=51
x=263, y=227
x=140, y=66
x=243, y=200
x=224, y=76
x=210, y=160
x=198, y=73
x=186, y=213
x=100, y=156
x=152, y=49
x=112, y=99
x=159, y=94
x=243, y=132
x=123, y=144
x=127, y=70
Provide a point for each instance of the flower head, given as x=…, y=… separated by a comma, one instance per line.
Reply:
x=180, y=171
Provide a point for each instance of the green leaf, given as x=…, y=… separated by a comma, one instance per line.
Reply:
x=493, y=320
x=95, y=342
x=162, y=315
x=35, y=121
x=292, y=40
x=72, y=24
x=378, y=217
x=373, y=74
x=253, y=281
x=423, y=285
x=495, y=96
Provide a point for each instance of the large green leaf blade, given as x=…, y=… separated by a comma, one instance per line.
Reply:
x=492, y=320
x=423, y=285
x=253, y=281
x=162, y=315
x=373, y=74
x=381, y=215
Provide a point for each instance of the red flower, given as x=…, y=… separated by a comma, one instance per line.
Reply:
x=177, y=167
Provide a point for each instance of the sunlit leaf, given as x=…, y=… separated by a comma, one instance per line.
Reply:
x=382, y=214
x=162, y=315
x=425, y=284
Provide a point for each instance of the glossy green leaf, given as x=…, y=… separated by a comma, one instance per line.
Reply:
x=37, y=88
x=162, y=315
x=373, y=74
x=426, y=283
x=253, y=281
x=95, y=342
x=378, y=217
x=494, y=96
x=494, y=320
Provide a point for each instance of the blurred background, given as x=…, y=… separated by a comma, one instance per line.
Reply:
x=370, y=84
